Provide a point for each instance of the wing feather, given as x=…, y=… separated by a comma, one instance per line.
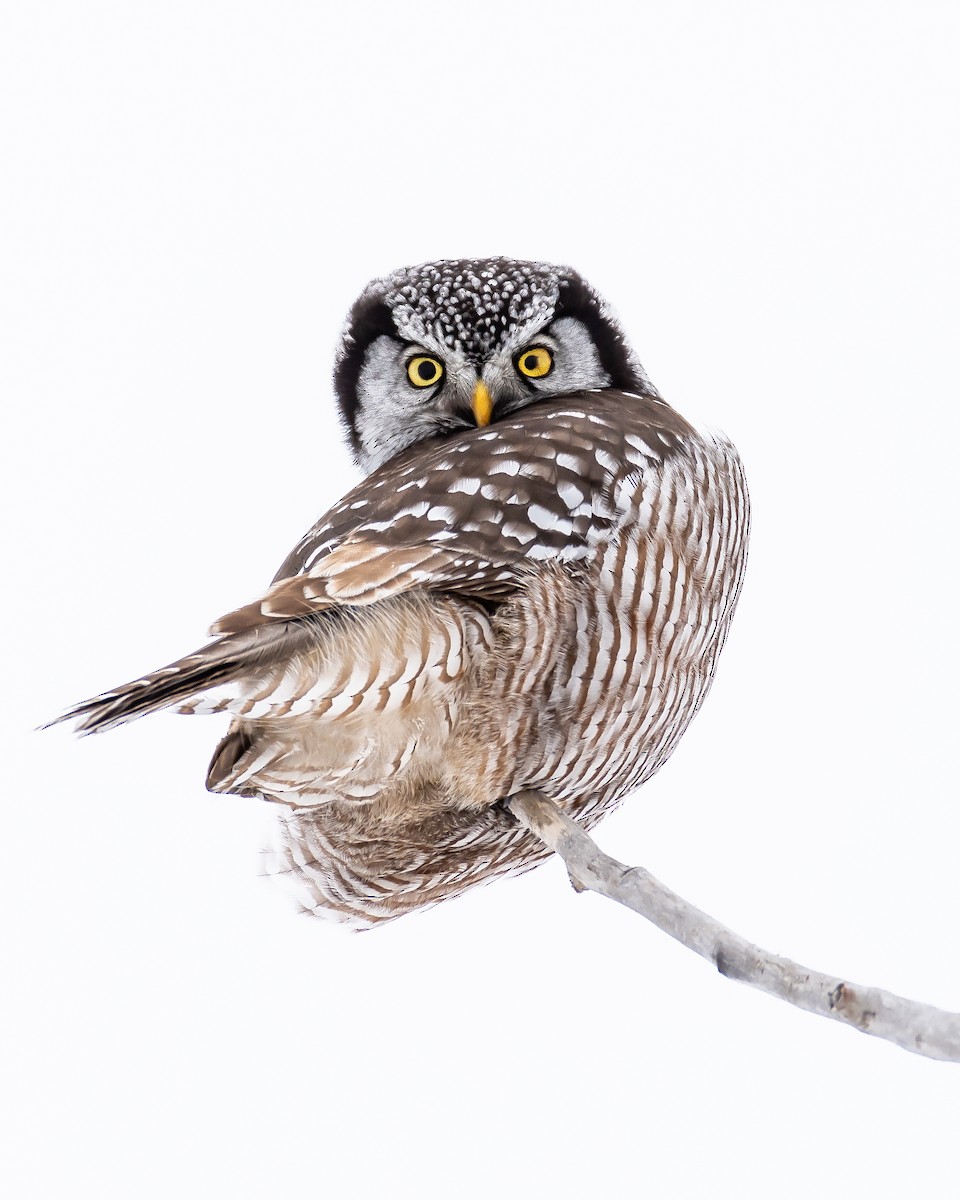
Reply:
x=473, y=513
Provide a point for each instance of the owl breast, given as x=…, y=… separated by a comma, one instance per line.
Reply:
x=597, y=669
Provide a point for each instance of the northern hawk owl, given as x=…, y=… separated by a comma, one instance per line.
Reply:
x=529, y=589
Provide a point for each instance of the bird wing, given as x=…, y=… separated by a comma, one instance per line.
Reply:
x=468, y=518
x=474, y=513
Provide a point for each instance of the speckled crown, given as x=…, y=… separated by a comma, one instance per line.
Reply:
x=471, y=305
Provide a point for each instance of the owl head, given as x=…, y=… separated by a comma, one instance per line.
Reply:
x=460, y=343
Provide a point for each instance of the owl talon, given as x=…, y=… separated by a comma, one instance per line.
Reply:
x=503, y=806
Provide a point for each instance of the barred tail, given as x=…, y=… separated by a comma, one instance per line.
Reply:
x=230, y=658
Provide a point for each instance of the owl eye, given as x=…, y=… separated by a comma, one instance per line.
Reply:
x=535, y=362
x=423, y=371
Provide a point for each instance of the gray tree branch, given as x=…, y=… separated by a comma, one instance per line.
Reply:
x=920, y=1028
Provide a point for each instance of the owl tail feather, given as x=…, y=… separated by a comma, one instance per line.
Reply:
x=229, y=658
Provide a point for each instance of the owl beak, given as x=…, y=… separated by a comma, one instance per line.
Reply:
x=482, y=404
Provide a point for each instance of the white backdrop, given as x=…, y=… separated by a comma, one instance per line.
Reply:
x=193, y=194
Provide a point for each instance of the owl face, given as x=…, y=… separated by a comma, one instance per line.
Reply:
x=434, y=349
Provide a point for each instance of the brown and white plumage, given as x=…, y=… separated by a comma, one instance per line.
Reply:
x=533, y=602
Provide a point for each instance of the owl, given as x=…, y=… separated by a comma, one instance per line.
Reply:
x=529, y=589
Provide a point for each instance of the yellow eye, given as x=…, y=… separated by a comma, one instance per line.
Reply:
x=535, y=362
x=423, y=371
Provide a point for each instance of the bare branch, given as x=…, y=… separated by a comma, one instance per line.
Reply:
x=920, y=1028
